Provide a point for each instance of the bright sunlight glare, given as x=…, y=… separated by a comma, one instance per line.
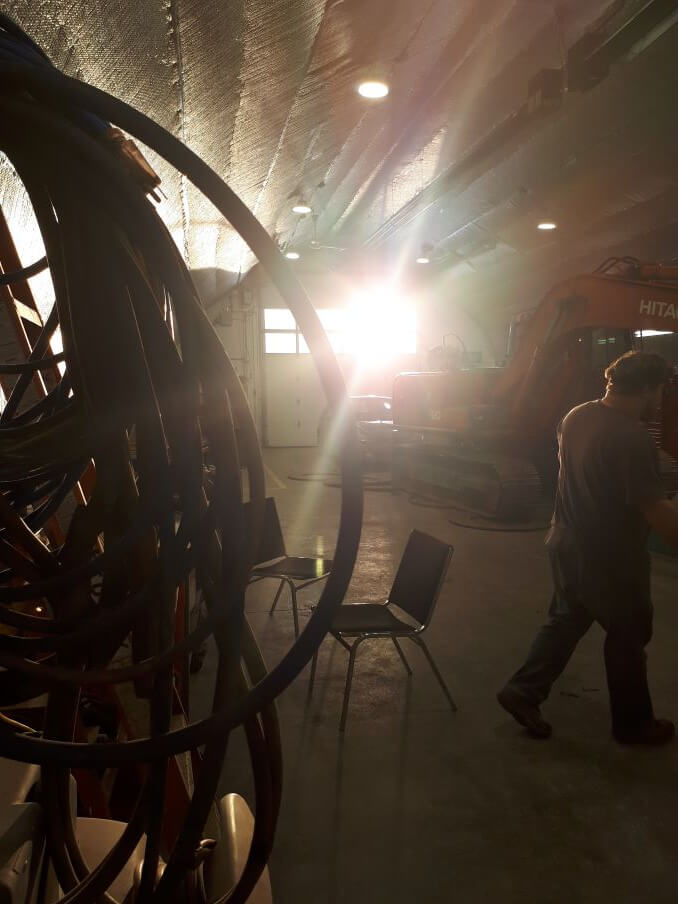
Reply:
x=381, y=324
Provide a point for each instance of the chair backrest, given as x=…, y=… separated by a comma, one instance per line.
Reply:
x=420, y=576
x=271, y=542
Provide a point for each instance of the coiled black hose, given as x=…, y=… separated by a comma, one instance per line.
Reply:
x=141, y=359
x=6, y=279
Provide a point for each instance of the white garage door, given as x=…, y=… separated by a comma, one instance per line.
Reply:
x=294, y=400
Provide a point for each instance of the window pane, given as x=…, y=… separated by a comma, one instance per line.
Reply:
x=278, y=319
x=660, y=342
x=280, y=343
x=376, y=409
x=336, y=341
x=607, y=345
x=379, y=330
x=332, y=318
x=407, y=333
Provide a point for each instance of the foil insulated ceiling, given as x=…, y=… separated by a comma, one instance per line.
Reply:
x=263, y=90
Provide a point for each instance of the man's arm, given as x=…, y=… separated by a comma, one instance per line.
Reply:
x=662, y=516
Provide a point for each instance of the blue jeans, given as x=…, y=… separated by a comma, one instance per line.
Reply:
x=625, y=661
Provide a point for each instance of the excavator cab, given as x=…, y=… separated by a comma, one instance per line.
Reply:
x=571, y=370
x=661, y=342
x=665, y=430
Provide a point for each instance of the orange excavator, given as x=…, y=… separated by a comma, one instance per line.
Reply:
x=486, y=436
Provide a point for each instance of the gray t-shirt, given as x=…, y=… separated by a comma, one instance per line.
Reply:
x=609, y=471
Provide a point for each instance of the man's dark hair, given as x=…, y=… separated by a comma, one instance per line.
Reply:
x=635, y=372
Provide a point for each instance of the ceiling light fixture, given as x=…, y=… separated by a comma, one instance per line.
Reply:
x=546, y=225
x=300, y=207
x=425, y=253
x=292, y=255
x=373, y=89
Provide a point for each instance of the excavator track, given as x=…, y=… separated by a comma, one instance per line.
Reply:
x=497, y=486
x=506, y=488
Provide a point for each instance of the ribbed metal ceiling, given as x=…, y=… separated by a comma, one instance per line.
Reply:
x=264, y=91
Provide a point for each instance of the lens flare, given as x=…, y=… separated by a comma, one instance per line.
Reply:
x=381, y=324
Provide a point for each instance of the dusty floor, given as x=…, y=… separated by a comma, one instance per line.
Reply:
x=418, y=804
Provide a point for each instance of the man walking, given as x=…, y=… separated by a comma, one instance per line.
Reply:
x=609, y=494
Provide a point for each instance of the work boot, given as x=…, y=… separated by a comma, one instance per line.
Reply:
x=652, y=734
x=525, y=713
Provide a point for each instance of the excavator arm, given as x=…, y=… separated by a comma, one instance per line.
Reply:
x=575, y=306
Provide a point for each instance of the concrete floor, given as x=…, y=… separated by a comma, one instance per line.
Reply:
x=416, y=803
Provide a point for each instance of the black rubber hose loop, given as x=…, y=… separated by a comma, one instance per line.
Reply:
x=60, y=90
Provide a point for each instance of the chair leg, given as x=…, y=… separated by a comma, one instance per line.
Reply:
x=295, y=611
x=436, y=672
x=349, y=680
x=402, y=655
x=277, y=596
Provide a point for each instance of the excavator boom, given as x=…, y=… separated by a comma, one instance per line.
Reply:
x=581, y=304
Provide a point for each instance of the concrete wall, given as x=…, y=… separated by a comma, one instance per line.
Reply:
x=444, y=320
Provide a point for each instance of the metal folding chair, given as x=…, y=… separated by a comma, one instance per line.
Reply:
x=413, y=596
x=295, y=571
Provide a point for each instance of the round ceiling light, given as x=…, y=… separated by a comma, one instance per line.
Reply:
x=292, y=255
x=423, y=260
x=373, y=89
x=300, y=207
x=546, y=225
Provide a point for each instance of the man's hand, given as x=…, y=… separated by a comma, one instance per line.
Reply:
x=662, y=516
